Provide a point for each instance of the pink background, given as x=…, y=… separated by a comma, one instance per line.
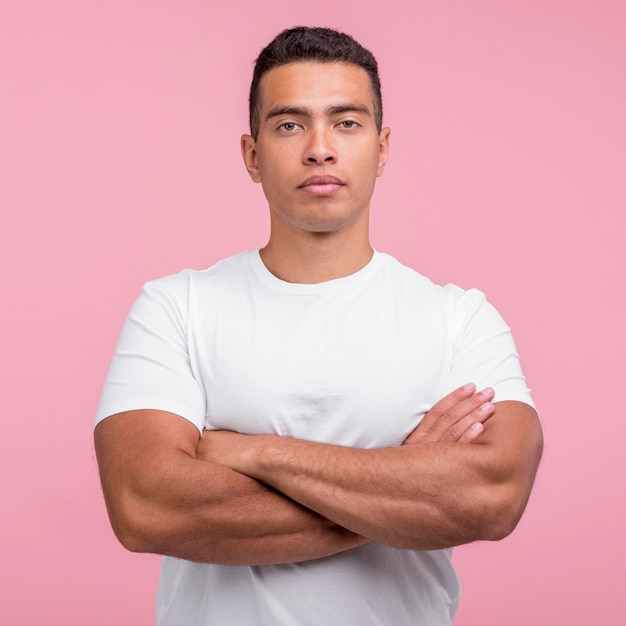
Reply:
x=119, y=130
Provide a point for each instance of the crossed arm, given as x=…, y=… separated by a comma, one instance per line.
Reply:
x=463, y=474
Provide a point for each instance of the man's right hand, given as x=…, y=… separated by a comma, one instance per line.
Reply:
x=457, y=417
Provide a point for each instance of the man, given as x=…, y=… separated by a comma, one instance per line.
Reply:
x=293, y=428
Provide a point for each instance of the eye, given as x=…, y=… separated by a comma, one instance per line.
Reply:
x=348, y=124
x=288, y=126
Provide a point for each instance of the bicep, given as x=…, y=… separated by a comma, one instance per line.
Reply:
x=512, y=444
x=134, y=446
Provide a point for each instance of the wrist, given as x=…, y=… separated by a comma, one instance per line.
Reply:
x=266, y=455
x=250, y=458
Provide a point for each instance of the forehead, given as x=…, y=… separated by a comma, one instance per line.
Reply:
x=311, y=83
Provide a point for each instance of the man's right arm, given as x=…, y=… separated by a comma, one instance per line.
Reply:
x=161, y=499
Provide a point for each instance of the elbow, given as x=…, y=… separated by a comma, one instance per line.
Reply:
x=135, y=529
x=135, y=541
x=501, y=516
x=132, y=534
x=499, y=526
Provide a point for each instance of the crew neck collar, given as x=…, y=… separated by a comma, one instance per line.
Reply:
x=328, y=286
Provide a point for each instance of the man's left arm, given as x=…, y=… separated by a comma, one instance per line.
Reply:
x=427, y=495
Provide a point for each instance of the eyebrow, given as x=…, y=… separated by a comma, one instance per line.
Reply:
x=333, y=109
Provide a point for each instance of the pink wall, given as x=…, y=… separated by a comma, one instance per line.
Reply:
x=119, y=129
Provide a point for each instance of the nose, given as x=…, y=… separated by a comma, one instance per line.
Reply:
x=320, y=148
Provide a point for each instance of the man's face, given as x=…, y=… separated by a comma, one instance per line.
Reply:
x=318, y=151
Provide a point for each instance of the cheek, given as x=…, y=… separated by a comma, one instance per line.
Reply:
x=369, y=168
x=276, y=185
x=275, y=167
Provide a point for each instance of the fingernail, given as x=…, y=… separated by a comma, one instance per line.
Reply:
x=477, y=426
x=468, y=387
x=487, y=406
x=487, y=391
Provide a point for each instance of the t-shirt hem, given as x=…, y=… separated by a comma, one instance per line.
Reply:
x=182, y=410
x=506, y=396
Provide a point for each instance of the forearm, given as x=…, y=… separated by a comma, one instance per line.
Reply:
x=208, y=513
x=163, y=499
x=368, y=491
x=424, y=496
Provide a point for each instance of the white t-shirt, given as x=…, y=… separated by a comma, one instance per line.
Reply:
x=355, y=361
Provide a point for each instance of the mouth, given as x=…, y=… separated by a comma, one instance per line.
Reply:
x=321, y=185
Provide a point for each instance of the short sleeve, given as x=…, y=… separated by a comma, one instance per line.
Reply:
x=484, y=351
x=151, y=368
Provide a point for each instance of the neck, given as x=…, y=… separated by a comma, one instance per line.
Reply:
x=316, y=257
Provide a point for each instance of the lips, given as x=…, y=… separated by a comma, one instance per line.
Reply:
x=321, y=185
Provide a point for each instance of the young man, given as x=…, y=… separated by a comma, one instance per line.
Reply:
x=274, y=425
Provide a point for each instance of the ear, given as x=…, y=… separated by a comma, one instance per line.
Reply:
x=384, y=150
x=248, y=152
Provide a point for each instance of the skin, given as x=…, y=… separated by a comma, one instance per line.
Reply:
x=463, y=474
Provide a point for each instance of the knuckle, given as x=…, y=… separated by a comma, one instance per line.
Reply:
x=450, y=416
x=477, y=399
x=454, y=431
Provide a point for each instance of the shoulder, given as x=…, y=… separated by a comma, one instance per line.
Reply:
x=449, y=295
x=188, y=281
x=462, y=312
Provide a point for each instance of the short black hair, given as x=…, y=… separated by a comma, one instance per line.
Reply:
x=323, y=45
